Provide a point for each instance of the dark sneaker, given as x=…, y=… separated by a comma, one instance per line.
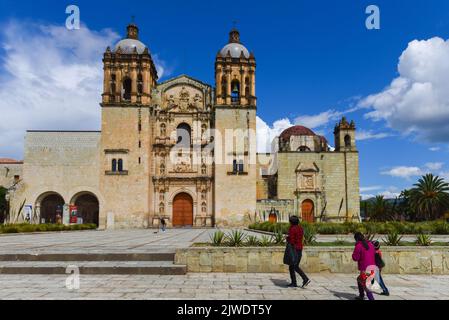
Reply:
x=385, y=294
x=306, y=283
x=292, y=285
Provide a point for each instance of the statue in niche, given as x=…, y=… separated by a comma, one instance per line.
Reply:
x=170, y=101
x=197, y=101
x=184, y=98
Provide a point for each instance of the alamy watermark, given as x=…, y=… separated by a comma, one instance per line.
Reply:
x=373, y=20
x=73, y=21
x=72, y=282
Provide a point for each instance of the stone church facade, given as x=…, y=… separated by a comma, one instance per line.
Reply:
x=184, y=151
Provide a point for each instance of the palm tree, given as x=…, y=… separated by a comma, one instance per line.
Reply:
x=379, y=209
x=430, y=198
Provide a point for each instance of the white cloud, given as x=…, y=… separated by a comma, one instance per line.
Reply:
x=417, y=102
x=434, y=166
x=370, y=188
x=51, y=79
x=403, y=172
x=318, y=120
x=390, y=193
x=434, y=149
x=369, y=135
x=266, y=133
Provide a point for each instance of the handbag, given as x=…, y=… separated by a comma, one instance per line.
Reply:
x=290, y=255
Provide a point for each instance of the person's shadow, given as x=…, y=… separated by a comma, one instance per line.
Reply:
x=280, y=283
x=343, y=295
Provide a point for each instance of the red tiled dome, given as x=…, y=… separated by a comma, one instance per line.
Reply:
x=296, y=131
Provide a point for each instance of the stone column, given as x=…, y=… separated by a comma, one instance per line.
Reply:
x=134, y=85
x=228, y=87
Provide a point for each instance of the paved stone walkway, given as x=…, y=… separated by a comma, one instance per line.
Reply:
x=215, y=286
x=119, y=241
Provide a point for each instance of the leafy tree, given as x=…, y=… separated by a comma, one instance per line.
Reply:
x=379, y=209
x=404, y=209
x=430, y=197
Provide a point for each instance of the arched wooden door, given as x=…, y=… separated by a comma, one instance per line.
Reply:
x=307, y=210
x=183, y=210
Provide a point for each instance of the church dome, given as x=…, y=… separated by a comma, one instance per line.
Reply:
x=234, y=47
x=296, y=131
x=128, y=46
x=131, y=42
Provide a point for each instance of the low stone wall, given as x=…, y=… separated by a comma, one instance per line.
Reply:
x=399, y=260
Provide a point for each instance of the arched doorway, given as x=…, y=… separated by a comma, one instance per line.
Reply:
x=51, y=206
x=307, y=210
x=88, y=208
x=182, y=210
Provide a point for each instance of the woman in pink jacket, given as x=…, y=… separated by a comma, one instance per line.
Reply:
x=364, y=253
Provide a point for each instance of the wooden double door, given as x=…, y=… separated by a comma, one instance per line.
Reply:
x=308, y=211
x=183, y=210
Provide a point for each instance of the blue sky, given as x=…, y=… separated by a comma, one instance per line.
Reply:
x=315, y=61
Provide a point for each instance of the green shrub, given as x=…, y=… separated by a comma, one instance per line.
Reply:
x=235, y=238
x=10, y=229
x=279, y=237
x=309, y=233
x=423, y=240
x=440, y=227
x=217, y=238
x=392, y=239
x=252, y=241
x=265, y=241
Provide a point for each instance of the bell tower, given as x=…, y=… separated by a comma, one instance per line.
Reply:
x=235, y=133
x=126, y=132
x=235, y=74
x=345, y=136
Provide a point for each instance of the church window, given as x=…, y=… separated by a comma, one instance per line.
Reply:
x=183, y=132
x=234, y=166
x=140, y=84
x=303, y=149
x=114, y=165
x=120, y=165
x=127, y=83
x=235, y=93
x=241, y=166
x=347, y=141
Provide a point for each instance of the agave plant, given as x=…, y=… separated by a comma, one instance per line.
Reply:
x=279, y=237
x=424, y=240
x=252, y=241
x=309, y=234
x=217, y=238
x=392, y=239
x=265, y=241
x=235, y=238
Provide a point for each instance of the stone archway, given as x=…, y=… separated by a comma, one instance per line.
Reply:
x=308, y=211
x=50, y=206
x=88, y=207
x=182, y=210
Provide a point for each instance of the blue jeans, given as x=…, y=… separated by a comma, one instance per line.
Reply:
x=382, y=283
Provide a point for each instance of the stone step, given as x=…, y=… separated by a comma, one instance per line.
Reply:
x=89, y=257
x=93, y=267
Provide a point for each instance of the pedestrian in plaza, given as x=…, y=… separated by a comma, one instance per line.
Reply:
x=364, y=254
x=380, y=264
x=293, y=252
x=163, y=224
